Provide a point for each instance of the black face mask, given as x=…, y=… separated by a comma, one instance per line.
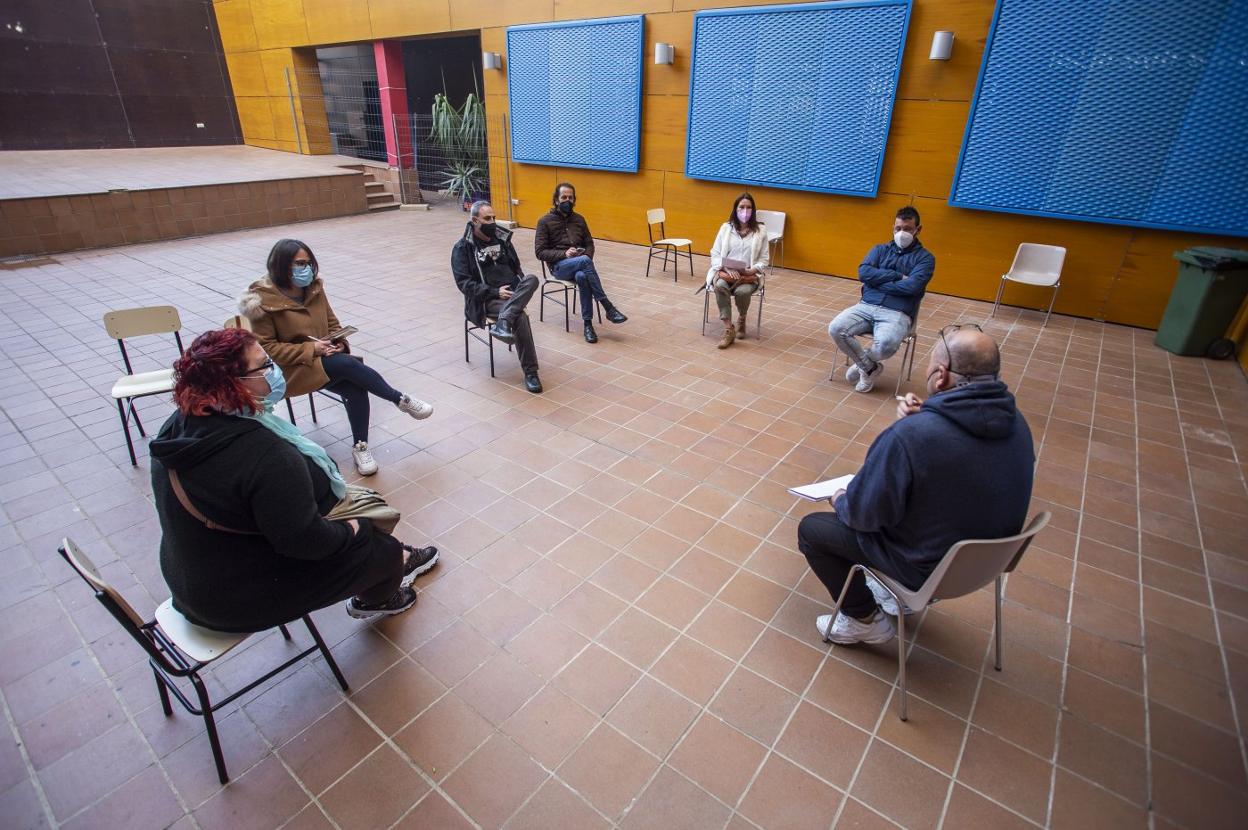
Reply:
x=489, y=230
x=565, y=208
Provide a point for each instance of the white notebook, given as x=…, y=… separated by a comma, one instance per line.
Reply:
x=821, y=490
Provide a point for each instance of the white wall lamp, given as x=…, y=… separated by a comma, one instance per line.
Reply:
x=664, y=53
x=491, y=60
x=942, y=46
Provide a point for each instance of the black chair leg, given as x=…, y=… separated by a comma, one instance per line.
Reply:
x=135, y=413
x=164, y=693
x=285, y=631
x=466, y=360
x=210, y=723
x=290, y=409
x=329, y=658
x=125, y=427
x=489, y=337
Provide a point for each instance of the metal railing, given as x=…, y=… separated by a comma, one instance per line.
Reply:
x=344, y=108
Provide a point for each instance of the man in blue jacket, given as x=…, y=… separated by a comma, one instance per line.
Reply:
x=893, y=276
x=956, y=466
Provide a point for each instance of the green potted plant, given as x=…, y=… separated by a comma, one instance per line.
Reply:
x=459, y=133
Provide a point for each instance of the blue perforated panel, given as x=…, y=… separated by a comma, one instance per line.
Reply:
x=575, y=92
x=795, y=96
x=1133, y=112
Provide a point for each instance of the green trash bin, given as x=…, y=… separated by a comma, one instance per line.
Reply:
x=1206, y=297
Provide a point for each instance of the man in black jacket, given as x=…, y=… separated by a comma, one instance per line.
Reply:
x=564, y=243
x=488, y=273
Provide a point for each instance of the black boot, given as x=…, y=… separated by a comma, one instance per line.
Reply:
x=614, y=314
x=591, y=336
x=533, y=383
x=502, y=331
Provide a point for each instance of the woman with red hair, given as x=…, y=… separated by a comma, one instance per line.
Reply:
x=242, y=498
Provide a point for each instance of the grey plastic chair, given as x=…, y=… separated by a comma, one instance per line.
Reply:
x=1034, y=264
x=968, y=566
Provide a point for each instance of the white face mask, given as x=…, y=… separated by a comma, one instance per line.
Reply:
x=903, y=239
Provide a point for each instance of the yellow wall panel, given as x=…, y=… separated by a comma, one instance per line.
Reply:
x=954, y=79
x=474, y=14
x=669, y=79
x=246, y=73
x=588, y=9
x=335, y=21
x=1148, y=272
x=923, y=143
x=274, y=63
x=495, y=40
x=695, y=5
x=238, y=33
x=279, y=23
x=663, y=131
x=402, y=18
x=614, y=205
x=255, y=118
x=532, y=185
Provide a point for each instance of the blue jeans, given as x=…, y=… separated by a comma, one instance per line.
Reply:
x=886, y=327
x=580, y=269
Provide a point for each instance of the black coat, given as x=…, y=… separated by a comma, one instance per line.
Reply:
x=469, y=279
x=241, y=475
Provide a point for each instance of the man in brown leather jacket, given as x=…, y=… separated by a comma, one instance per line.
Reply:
x=564, y=243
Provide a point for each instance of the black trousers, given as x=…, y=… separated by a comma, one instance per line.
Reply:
x=832, y=549
x=512, y=310
x=381, y=574
x=354, y=381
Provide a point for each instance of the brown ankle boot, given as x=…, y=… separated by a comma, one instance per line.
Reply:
x=741, y=328
x=729, y=335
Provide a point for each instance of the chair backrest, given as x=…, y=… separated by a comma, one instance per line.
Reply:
x=105, y=592
x=135, y=322
x=774, y=220
x=655, y=216
x=238, y=321
x=1040, y=263
x=973, y=563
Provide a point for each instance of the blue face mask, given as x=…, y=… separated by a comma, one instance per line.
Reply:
x=302, y=275
x=277, y=386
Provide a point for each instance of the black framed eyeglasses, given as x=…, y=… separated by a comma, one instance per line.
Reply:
x=259, y=370
x=949, y=329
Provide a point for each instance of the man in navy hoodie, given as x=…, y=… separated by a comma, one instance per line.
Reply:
x=894, y=277
x=956, y=466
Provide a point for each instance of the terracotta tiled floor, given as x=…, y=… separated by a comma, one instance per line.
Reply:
x=620, y=631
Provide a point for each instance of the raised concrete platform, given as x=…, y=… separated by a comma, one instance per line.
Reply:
x=53, y=201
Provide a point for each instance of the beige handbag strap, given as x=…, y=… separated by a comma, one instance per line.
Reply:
x=180, y=492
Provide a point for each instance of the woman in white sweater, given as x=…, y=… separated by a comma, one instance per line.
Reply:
x=738, y=259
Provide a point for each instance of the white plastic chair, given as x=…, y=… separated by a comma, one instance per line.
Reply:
x=664, y=245
x=136, y=322
x=774, y=220
x=1035, y=265
x=176, y=648
x=968, y=566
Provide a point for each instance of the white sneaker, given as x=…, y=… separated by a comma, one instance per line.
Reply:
x=847, y=630
x=866, y=382
x=882, y=598
x=365, y=464
x=416, y=408
x=852, y=373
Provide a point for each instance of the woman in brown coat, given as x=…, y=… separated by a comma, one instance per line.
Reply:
x=292, y=319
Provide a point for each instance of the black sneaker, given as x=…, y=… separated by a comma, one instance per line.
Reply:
x=419, y=561
x=399, y=601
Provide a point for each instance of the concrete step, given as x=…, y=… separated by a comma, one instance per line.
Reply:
x=378, y=195
x=377, y=207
